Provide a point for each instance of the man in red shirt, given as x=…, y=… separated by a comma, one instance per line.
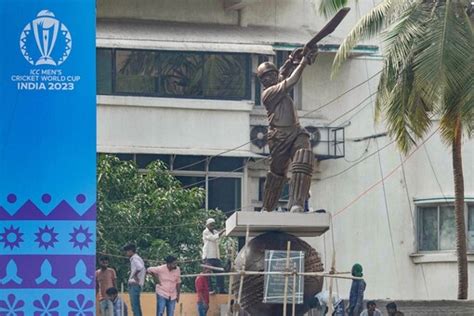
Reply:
x=202, y=291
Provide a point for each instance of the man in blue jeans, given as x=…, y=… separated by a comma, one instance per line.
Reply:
x=168, y=285
x=202, y=290
x=136, y=279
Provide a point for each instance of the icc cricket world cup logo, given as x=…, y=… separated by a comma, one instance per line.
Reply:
x=45, y=40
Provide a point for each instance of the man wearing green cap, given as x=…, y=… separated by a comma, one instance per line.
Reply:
x=356, y=296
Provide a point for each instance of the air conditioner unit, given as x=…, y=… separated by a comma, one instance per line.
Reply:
x=258, y=138
x=326, y=142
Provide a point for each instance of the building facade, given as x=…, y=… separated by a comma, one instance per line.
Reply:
x=176, y=82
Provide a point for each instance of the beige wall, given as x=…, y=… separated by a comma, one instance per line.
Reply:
x=186, y=306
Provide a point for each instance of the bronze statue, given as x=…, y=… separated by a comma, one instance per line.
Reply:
x=287, y=140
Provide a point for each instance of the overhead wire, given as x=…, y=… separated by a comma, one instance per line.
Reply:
x=384, y=178
x=352, y=202
x=267, y=157
x=412, y=217
x=303, y=116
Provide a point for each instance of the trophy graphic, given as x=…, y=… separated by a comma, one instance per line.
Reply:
x=47, y=33
x=45, y=29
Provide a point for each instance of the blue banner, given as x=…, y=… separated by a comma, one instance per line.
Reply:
x=47, y=157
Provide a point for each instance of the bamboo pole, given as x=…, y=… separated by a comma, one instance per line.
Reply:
x=330, y=306
x=287, y=266
x=326, y=275
x=293, y=310
x=122, y=307
x=180, y=309
x=231, y=278
x=242, y=275
x=212, y=268
x=240, y=272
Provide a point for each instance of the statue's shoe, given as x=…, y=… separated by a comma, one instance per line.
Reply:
x=297, y=209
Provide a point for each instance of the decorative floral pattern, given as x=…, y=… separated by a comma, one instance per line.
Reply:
x=32, y=231
x=46, y=307
x=81, y=237
x=11, y=237
x=12, y=306
x=46, y=237
x=81, y=307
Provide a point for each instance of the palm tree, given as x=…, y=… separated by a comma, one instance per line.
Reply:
x=428, y=72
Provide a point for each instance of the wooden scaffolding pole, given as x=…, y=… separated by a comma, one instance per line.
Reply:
x=242, y=272
x=231, y=278
x=293, y=308
x=288, y=274
x=285, y=291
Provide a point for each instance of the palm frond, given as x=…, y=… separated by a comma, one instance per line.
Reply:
x=400, y=36
x=407, y=113
x=367, y=27
x=329, y=7
x=445, y=51
x=387, y=81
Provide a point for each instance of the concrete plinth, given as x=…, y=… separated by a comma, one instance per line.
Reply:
x=297, y=224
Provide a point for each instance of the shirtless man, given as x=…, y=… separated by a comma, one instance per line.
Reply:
x=288, y=141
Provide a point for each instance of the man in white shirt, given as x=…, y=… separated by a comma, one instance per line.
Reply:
x=210, y=252
x=136, y=279
x=371, y=310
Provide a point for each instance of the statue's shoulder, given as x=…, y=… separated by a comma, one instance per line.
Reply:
x=273, y=91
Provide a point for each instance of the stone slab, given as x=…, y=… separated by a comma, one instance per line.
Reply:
x=297, y=224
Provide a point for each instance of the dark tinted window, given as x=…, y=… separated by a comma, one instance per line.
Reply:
x=226, y=164
x=174, y=74
x=197, y=163
x=225, y=194
x=143, y=160
x=104, y=71
x=136, y=72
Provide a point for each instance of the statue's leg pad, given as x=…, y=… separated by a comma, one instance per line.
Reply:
x=302, y=170
x=272, y=191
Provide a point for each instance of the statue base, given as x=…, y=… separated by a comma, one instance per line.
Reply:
x=296, y=224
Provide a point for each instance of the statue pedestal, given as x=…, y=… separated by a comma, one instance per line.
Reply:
x=297, y=224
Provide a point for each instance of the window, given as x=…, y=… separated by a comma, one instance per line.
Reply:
x=225, y=194
x=174, y=74
x=226, y=164
x=104, y=71
x=125, y=157
x=143, y=160
x=136, y=72
x=192, y=182
x=196, y=163
x=223, y=184
x=470, y=226
x=437, y=227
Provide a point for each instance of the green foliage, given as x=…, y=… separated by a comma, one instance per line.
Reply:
x=329, y=7
x=151, y=210
x=428, y=65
